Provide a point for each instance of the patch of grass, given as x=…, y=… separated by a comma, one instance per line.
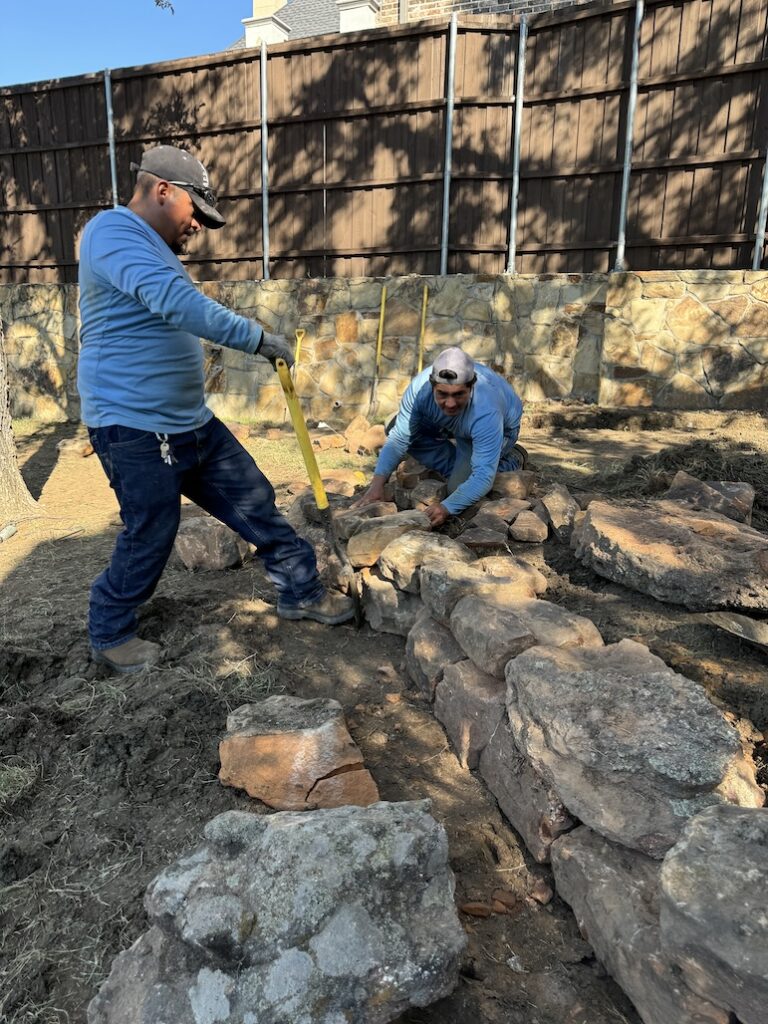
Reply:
x=15, y=780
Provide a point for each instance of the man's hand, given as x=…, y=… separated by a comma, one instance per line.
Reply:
x=275, y=346
x=436, y=514
x=374, y=493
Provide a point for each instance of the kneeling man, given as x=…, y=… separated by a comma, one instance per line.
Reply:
x=461, y=419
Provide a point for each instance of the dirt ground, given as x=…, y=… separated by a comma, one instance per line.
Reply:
x=105, y=780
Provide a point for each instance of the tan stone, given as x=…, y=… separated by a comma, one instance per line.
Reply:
x=429, y=649
x=693, y=322
x=470, y=704
x=622, y=290
x=506, y=508
x=387, y=609
x=755, y=323
x=365, y=294
x=617, y=394
x=731, y=310
x=515, y=484
x=683, y=392
x=564, y=339
x=443, y=586
x=371, y=538
x=347, y=327
x=529, y=528
x=338, y=300
x=656, y=361
x=294, y=754
x=448, y=298
x=759, y=286
x=663, y=290
x=503, y=303
x=647, y=316
x=402, y=558
x=513, y=567
x=619, y=343
x=349, y=520
x=477, y=309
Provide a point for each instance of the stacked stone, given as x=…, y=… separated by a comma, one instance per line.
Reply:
x=614, y=768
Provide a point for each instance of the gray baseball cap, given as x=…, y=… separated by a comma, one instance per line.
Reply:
x=178, y=167
x=453, y=367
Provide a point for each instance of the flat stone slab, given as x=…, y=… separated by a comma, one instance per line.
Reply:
x=294, y=754
x=514, y=567
x=676, y=554
x=506, y=508
x=751, y=630
x=402, y=558
x=469, y=704
x=340, y=915
x=631, y=748
x=388, y=609
x=714, y=921
x=531, y=805
x=733, y=499
x=613, y=892
x=517, y=484
x=429, y=649
x=349, y=521
x=373, y=535
x=491, y=635
x=529, y=527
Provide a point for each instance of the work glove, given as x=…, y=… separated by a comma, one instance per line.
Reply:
x=275, y=346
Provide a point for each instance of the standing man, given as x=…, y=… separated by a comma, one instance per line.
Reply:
x=460, y=419
x=140, y=378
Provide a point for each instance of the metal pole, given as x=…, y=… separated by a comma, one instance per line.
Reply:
x=762, y=216
x=627, y=170
x=448, y=144
x=111, y=134
x=264, y=163
x=519, y=89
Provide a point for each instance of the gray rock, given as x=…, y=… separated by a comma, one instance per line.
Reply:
x=428, y=492
x=731, y=499
x=530, y=528
x=349, y=521
x=402, y=558
x=489, y=635
x=372, y=535
x=614, y=895
x=337, y=915
x=506, y=508
x=714, y=921
x=483, y=541
x=698, y=559
x=469, y=704
x=489, y=521
x=203, y=543
x=429, y=649
x=532, y=806
x=386, y=608
x=632, y=748
x=561, y=509
x=742, y=626
x=513, y=567
x=517, y=484
x=442, y=586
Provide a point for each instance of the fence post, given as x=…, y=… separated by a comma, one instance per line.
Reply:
x=448, y=143
x=111, y=134
x=628, y=137
x=762, y=216
x=264, y=162
x=519, y=92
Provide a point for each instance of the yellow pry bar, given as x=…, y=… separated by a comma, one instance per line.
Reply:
x=302, y=434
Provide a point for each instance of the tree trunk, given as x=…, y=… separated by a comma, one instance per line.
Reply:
x=15, y=500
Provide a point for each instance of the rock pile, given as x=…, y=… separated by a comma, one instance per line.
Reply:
x=605, y=760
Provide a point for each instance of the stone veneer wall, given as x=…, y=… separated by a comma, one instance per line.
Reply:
x=662, y=339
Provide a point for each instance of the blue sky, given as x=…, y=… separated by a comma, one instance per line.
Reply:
x=41, y=39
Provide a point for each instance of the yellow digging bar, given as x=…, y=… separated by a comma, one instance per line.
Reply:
x=300, y=332
x=420, y=366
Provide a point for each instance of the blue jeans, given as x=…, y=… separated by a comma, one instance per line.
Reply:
x=452, y=459
x=212, y=468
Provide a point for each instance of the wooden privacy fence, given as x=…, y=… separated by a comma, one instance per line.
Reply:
x=394, y=151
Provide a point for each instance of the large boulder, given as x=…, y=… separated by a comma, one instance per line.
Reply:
x=714, y=921
x=373, y=535
x=631, y=748
x=733, y=499
x=525, y=798
x=469, y=703
x=613, y=892
x=203, y=543
x=402, y=558
x=429, y=649
x=294, y=754
x=699, y=559
x=491, y=634
x=338, y=915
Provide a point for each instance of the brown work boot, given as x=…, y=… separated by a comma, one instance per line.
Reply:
x=133, y=656
x=331, y=609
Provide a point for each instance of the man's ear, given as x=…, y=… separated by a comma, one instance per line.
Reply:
x=162, y=191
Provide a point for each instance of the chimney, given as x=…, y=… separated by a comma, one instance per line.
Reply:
x=355, y=15
x=265, y=23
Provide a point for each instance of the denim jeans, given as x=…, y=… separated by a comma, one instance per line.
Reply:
x=211, y=467
x=452, y=459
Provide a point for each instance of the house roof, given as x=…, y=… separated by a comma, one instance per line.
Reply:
x=304, y=18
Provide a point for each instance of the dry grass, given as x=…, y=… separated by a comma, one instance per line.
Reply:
x=17, y=777
x=706, y=460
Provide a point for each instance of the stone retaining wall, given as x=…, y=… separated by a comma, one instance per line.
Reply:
x=655, y=339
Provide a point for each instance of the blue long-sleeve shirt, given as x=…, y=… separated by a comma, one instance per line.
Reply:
x=490, y=422
x=141, y=361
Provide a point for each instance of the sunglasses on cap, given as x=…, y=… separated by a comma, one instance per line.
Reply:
x=206, y=194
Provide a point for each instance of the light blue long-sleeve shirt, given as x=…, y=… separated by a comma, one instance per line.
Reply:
x=489, y=422
x=141, y=361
